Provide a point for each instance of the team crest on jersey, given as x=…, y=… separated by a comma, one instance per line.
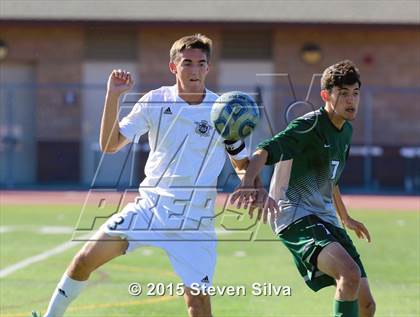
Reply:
x=203, y=128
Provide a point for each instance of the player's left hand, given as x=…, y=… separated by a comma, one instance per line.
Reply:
x=359, y=228
x=265, y=204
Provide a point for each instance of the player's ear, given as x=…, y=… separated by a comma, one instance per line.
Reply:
x=325, y=95
x=172, y=68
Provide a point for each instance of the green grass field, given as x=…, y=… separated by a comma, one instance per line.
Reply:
x=392, y=263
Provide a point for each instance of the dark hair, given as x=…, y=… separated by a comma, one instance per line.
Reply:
x=199, y=41
x=340, y=74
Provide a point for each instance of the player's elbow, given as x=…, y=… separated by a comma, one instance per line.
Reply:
x=110, y=151
x=107, y=148
x=112, y=144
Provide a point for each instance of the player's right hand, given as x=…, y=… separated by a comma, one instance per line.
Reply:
x=119, y=81
x=266, y=206
x=244, y=194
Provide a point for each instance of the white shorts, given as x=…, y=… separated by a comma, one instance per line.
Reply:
x=190, y=244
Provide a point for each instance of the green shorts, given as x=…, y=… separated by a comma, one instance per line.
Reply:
x=305, y=238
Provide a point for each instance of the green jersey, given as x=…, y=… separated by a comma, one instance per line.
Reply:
x=319, y=151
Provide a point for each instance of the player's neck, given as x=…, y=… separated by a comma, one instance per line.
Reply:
x=190, y=96
x=335, y=119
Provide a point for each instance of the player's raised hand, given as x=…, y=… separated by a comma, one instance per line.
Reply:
x=119, y=81
x=358, y=227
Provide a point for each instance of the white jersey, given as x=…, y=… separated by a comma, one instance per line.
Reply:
x=186, y=153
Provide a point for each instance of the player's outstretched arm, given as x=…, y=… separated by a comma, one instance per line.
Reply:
x=352, y=224
x=246, y=191
x=265, y=205
x=110, y=139
x=262, y=202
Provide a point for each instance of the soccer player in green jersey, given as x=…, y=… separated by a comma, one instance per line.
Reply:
x=310, y=155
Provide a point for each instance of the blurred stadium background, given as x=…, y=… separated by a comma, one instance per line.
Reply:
x=55, y=57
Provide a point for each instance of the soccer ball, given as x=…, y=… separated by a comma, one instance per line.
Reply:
x=235, y=115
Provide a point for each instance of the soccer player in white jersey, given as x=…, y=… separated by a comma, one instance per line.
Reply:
x=185, y=159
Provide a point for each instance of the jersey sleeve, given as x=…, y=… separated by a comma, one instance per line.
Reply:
x=290, y=142
x=137, y=122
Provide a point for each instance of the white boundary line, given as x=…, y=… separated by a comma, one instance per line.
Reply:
x=40, y=257
x=49, y=253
